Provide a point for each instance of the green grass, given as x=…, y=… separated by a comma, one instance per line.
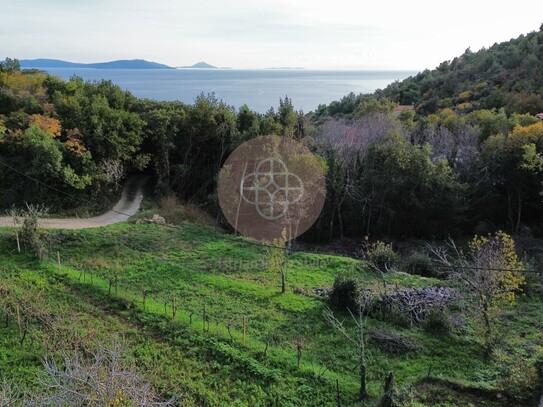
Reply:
x=201, y=266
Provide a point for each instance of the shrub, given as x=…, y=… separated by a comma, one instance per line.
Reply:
x=345, y=293
x=382, y=256
x=534, y=286
x=437, y=322
x=421, y=264
x=396, y=396
x=518, y=374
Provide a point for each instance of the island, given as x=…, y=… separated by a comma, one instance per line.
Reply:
x=119, y=64
x=198, y=65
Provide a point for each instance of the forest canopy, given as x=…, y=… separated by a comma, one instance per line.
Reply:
x=465, y=155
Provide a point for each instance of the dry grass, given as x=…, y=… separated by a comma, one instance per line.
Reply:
x=176, y=212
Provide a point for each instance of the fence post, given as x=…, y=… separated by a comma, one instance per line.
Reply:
x=204, y=319
x=19, y=321
x=244, y=320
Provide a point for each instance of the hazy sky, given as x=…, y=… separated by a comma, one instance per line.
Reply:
x=333, y=34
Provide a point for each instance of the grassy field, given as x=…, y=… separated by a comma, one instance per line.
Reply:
x=233, y=337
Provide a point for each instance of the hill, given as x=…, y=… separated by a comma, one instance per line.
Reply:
x=120, y=64
x=509, y=75
x=199, y=65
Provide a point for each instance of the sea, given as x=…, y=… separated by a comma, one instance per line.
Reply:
x=258, y=89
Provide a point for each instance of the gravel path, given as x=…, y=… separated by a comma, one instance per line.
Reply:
x=127, y=206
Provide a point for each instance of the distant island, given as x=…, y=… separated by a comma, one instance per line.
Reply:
x=120, y=64
x=199, y=65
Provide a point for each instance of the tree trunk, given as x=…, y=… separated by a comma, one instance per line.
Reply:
x=363, y=392
x=488, y=326
x=340, y=220
x=331, y=226
x=519, y=211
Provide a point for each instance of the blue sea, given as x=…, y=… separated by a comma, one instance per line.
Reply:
x=258, y=89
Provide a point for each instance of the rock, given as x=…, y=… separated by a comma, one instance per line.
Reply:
x=160, y=220
x=322, y=291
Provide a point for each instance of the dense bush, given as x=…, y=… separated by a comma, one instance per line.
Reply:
x=437, y=323
x=518, y=374
x=345, y=293
x=534, y=286
x=421, y=264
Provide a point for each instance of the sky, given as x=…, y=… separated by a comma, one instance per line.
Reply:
x=314, y=34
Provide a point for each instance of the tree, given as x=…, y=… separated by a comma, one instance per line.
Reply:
x=278, y=258
x=10, y=65
x=345, y=145
x=513, y=178
x=247, y=123
x=104, y=379
x=113, y=172
x=357, y=339
x=372, y=105
x=28, y=220
x=45, y=154
x=492, y=273
x=287, y=117
x=401, y=181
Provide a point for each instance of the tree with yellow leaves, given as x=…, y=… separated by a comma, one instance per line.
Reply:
x=493, y=274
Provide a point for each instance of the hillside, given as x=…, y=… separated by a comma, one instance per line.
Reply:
x=183, y=298
x=509, y=74
x=120, y=64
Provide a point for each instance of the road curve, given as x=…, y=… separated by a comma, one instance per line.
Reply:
x=127, y=206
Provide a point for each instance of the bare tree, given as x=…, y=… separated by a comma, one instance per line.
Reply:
x=112, y=172
x=16, y=218
x=491, y=272
x=345, y=145
x=103, y=380
x=357, y=339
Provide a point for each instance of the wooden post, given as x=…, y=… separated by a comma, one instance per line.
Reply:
x=244, y=321
x=59, y=265
x=174, y=307
x=18, y=242
x=19, y=321
x=204, y=319
x=429, y=371
x=116, y=281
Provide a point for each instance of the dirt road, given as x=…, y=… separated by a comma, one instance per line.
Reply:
x=127, y=206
